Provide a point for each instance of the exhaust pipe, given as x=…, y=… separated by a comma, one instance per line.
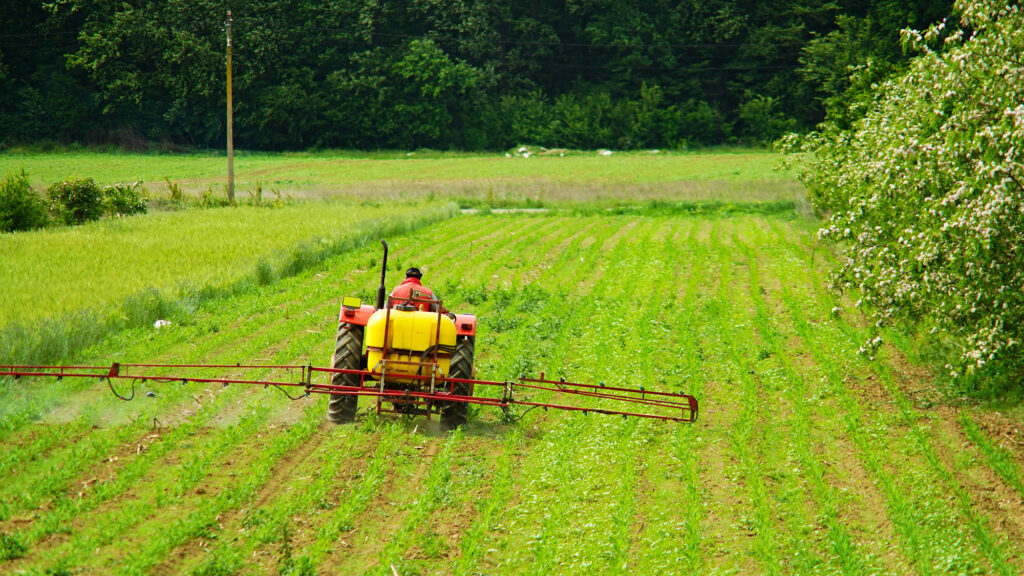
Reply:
x=381, y=291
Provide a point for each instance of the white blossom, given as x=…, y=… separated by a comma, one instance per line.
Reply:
x=926, y=191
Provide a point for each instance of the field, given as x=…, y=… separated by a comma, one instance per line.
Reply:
x=807, y=459
x=736, y=175
x=220, y=245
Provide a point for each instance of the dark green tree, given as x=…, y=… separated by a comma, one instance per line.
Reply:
x=453, y=74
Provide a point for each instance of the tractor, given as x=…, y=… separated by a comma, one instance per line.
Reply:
x=404, y=345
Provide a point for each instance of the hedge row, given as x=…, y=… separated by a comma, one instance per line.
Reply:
x=66, y=203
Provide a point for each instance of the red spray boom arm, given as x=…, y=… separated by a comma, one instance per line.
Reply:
x=636, y=402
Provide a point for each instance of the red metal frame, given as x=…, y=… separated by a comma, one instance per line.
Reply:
x=659, y=405
x=419, y=405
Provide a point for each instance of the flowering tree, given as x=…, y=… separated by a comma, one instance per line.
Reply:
x=926, y=191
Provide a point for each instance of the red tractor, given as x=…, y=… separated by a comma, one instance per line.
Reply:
x=405, y=347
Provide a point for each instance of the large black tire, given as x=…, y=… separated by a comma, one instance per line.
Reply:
x=348, y=355
x=453, y=414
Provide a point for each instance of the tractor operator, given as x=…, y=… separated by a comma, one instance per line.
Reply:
x=411, y=291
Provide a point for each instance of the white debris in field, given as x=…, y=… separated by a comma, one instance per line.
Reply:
x=528, y=151
x=161, y=323
x=604, y=152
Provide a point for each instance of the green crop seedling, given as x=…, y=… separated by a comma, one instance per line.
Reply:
x=807, y=459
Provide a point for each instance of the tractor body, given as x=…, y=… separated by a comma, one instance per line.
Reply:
x=403, y=348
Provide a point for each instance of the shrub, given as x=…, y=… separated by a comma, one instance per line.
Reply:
x=76, y=201
x=926, y=191
x=583, y=121
x=177, y=195
x=692, y=121
x=525, y=118
x=124, y=199
x=210, y=199
x=761, y=119
x=21, y=208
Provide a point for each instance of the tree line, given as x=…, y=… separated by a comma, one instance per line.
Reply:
x=462, y=74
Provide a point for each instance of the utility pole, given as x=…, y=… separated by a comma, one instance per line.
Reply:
x=231, y=127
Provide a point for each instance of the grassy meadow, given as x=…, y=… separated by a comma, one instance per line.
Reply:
x=731, y=175
x=61, y=270
x=807, y=459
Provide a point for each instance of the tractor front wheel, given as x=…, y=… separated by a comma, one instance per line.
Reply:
x=454, y=414
x=348, y=354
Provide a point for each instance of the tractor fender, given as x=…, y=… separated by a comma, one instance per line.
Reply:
x=465, y=325
x=356, y=316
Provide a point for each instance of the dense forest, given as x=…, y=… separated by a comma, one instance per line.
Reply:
x=462, y=74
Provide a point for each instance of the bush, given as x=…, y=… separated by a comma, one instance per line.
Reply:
x=761, y=119
x=926, y=191
x=692, y=121
x=76, y=201
x=124, y=199
x=525, y=118
x=21, y=208
x=584, y=121
x=177, y=194
x=210, y=199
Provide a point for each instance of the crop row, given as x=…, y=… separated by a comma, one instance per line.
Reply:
x=933, y=532
x=806, y=459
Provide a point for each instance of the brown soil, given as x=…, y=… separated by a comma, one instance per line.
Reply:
x=451, y=522
x=386, y=512
x=290, y=474
x=537, y=268
x=861, y=504
x=607, y=247
x=1004, y=430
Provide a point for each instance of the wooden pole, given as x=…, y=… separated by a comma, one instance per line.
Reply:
x=231, y=128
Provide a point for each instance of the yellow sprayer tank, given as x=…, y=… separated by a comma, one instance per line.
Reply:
x=412, y=336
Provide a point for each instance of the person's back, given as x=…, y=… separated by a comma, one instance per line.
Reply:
x=413, y=292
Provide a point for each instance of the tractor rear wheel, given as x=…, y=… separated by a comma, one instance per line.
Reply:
x=348, y=355
x=454, y=414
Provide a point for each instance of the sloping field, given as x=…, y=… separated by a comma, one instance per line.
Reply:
x=64, y=270
x=807, y=459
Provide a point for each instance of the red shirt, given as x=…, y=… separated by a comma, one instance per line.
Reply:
x=412, y=288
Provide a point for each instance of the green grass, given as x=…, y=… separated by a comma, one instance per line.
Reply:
x=65, y=288
x=807, y=459
x=61, y=270
x=729, y=175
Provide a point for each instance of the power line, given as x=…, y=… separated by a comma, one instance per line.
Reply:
x=38, y=34
x=456, y=39
x=725, y=50
x=358, y=36
x=596, y=45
